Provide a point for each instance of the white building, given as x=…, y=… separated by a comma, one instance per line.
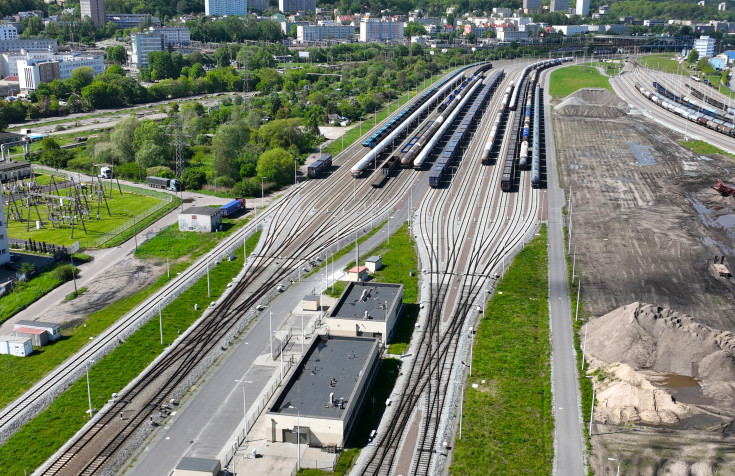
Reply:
x=570, y=30
x=8, y=32
x=367, y=310
x=201, y=219
x=559, y=6
x=31, y=73
x=324, y=32
x=9, y=60
x=372, y=31
x=583, y=7
x=174, y=36
x=68, y=63
x=17, y=45
x=143, y=44
x=293, y=6
x=509, y=34
x=94, y=9
x=705, y=46
x=4, y=247
x=18, y=346
x=225, y=7
x=33, y=68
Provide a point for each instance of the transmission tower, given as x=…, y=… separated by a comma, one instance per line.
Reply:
x=179, y=140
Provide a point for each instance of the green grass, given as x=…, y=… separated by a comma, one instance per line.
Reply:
x=704, y=148
x=136, y=204
x=174, y=244
x=75, y=294
x=663, y=62
x=507, y=422
x=565, y=81
x=341, y=468
x=27, y=293
x=40, y=438
x=125, y=235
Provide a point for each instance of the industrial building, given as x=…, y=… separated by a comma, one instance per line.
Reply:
x=367, y=309
x=321, y=400
x=17, y=346
x=202, y=219
x=52, y=330
x=16, y=170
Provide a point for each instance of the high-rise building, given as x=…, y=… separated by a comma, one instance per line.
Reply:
x=8, y=32
x=258, y=5
x=583, y=7
x=532, y=5
x=559, y=6
x=705, y=46
x=292, y=6
x=225, y=7
x=378, y=31
x=144, y=43
x=94, y=9
x=324, y=32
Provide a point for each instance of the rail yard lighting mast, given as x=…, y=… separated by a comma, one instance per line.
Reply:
x=89, y=393
x=617, y=473
x=244, y=404
x=298, y=434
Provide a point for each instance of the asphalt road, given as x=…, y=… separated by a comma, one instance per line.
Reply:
x=568, y=438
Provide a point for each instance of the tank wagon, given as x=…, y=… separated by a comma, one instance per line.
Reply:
x=494, y=131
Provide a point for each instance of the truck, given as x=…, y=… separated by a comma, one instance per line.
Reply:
x=164, y=183
x=105, y=173
x=231, y=208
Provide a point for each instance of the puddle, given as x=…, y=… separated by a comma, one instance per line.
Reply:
x=723, y=249
x=684, y=389
x=644, y=153
x=700, y=421
x=710, y=218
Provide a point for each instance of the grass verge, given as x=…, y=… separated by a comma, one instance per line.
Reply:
x=704, y=148
x=508, y=425
x=564, y=81
x=125, y=235
x=27, y=293
x=174, y=244
x=41, y=437
x=75, y=294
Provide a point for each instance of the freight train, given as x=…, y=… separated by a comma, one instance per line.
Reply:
x=494, y=131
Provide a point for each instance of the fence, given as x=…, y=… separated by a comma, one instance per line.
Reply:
x=99, y=241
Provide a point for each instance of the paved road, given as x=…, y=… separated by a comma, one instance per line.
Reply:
x=568, y=438
x=204, y=425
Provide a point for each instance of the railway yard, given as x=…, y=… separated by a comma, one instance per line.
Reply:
x=464, y=164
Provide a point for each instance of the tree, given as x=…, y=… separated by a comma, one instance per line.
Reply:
x=116, y=54
x=49, y=143
x=122, y=137
x=193, y=178
x=228, y=143
x=693, y=57
x=276, y=165
x=81, y=77
x=151, y=155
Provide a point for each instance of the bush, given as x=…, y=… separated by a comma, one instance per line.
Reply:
x=160, y=171
x=65, y=273
x=81, y=163
x=193, y=178
x=225, y=182
x=128, y=170
x=248, y=188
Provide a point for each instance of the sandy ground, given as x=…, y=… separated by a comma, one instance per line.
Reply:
x=645, y=225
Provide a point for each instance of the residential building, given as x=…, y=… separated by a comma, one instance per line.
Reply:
x=532, y=5
x=173, y=36
x=94, y=9
x=225, y=7
x=583, y=7
x=325, y=32
x=35, y=45
x=570, y=30
x=292, y=6
x=559, y=6
x=68, y=63
x=4, y=247
x=705, y=46
x=506, y=34
x=130, y=20
x=143, y=44
x=372, y=31
x=33, y=72
x=258, y=5
x=8, y=32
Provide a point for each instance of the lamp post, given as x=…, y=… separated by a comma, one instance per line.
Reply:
x=135, y=234
x=270, y=326
x=89, y=393
x=298, y=434
x=617, y=473
x=244, y=405
x=592, y=409
x=262, y=192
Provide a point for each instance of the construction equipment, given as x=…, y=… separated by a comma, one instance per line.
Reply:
x=723, y=189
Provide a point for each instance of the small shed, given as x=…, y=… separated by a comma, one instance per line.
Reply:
x=52, y=329
x=358, y=273
x=310, y=303
x=18, y=346
x=201, y=219
x=198, y=467
x=374, y=263
x=38, y=337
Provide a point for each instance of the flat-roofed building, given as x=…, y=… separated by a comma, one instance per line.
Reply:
x=17, y=45
x=145, y=43
x=15, y=170
x=320, y=402
x=324, y=32
x=367, y=309
x=17, y=346
x=372, y=31
x=8, y=32
x=197, y=467
x=130, y=20
x=53, y=329
x=31, y=73
x=202, y=219
x=293, y=6
x=225, y=7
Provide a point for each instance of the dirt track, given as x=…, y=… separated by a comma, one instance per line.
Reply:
x=645, y=225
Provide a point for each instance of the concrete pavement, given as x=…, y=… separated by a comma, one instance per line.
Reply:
x=569, y=453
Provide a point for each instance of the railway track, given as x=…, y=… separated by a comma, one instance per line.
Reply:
x=293, y=236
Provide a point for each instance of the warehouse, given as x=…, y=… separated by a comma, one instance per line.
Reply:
x=16, y=170
x=53, y=331
x=321, y=400
x=18, y=346
x=367, y=309
x=201, y=219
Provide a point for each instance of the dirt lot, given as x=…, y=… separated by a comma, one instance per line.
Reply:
x=645, y=226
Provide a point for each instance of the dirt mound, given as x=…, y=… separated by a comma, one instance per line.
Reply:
x=592, y=102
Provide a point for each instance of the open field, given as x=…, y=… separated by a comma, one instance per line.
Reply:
x=645, y=225
x=564, y=81
x=27, y=293
x=173, y=244
x=41, y=437
x=704, y=148
x=507, y=422
x=122, y=209
x=664, y=62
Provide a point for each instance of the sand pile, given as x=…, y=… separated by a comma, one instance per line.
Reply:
x=625, y=395
x=592, y=102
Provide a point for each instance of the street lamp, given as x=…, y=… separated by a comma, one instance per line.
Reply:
x=592, y=409
x=617, y=473
x=298, y=434
x=244, y=406
x=262, y=192
x=89, y=394
x=135, y=234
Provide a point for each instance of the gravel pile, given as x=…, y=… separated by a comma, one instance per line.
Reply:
x=592, y=102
